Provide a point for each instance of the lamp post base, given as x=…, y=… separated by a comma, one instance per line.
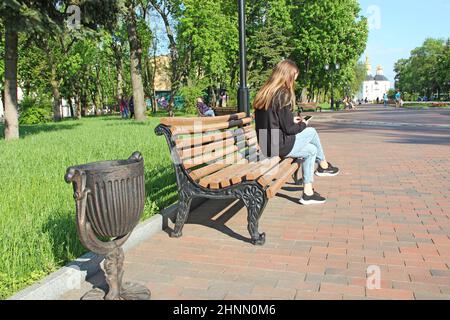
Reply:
x=130, y=291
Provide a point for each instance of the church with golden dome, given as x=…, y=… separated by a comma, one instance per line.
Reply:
x=374, y=86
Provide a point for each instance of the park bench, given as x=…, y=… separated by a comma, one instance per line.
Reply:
x=309, y=106
x=222, y=111
x=219, y=158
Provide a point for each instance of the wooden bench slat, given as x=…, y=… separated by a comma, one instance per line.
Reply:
x=280, y=182
x=221, y=179
x=193, y=162
x=275, y=172
x=239, y=137
x=210, y=138
x=253, y=171
x=206, y=170
x=182, y=143
x=191, y=121
x=178, y=130
x=252, y=141
x=209, y=169
x=262, y=168
x=194, y=152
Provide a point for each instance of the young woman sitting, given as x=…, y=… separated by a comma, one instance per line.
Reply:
x=282, y=134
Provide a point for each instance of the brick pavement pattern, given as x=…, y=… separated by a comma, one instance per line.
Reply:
x=389, y=207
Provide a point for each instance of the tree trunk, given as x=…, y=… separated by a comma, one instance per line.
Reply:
x=77, y=107
x=56, y=94
x=174, y=56
x=153, y=77
x=119, y=81
x=83, y=103
x=72, y=113
x=99, y=91
x=135, y=65
x=119, y=69
x=11, y=113
x=304, y=96
x=213, y=97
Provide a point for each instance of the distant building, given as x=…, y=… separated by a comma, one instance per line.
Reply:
x=162, y=75
x=374, y=86
x=163, y=84
x=19, y=100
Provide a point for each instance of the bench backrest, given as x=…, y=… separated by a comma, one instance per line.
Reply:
x=208, y=144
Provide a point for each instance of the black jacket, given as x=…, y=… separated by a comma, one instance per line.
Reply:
x=276, y=127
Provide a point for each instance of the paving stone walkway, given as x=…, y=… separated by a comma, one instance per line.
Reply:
x=389, y=208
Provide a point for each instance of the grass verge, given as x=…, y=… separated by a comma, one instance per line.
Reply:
x=37, y=211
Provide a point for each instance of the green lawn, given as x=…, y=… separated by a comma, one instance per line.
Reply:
x=423, y=106
x=37, y=211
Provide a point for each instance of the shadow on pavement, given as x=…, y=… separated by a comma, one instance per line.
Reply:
x=28, y=130
x=207, y=217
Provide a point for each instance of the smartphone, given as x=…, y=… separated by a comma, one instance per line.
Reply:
x=307, y=118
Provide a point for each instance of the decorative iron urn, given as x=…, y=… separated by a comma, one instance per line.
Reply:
x=110, y=198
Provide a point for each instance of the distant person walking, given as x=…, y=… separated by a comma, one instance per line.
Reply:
x=131, y=107
x=386, y=99
x=162, y=102
x=123, y=108
x=398, y=99
x=223, y=99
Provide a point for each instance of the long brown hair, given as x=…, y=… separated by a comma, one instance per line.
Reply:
x=282, y=77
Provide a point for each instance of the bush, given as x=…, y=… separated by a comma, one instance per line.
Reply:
x=35, y=111
x=190, y=95
x=391, y=94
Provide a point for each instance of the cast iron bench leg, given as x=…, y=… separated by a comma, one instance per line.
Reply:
x=254, y=213
x=184, y=205
x=255, y=201
x=297, y=180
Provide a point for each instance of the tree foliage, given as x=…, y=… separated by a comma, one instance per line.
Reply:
x=427, y=70
x=327, y=32
x=92, y=67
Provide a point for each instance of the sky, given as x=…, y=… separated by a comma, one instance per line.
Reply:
x=399, y=26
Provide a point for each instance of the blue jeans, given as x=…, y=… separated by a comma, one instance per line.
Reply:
x=209, y=113
x=307, y=146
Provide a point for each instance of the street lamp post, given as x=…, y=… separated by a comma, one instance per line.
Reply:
x=337, y=66
x=243, y=92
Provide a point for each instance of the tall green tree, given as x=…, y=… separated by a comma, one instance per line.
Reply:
x=43, y=20
x=170, y=11
x=136, y=61
x=326, y=32
x=19, y=16
x=426, y=71
x=270, y=33
x=208, y=35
